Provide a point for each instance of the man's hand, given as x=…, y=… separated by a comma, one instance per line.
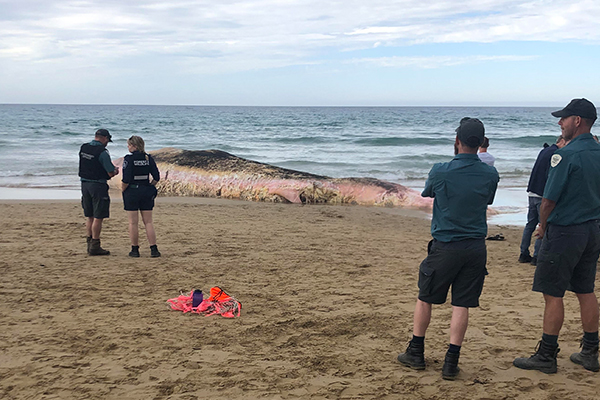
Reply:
x=539, y=233
x=114, y=173
x=546, y=208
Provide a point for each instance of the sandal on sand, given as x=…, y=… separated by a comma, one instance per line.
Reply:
x=496, y=237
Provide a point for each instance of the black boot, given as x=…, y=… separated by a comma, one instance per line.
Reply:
x=414, y=356
x=525, y=258
x=533, y=260
x=96, y=250
x=154, y=251
x=588, y=356
x=89, y=240
x=544, y=359
x=450, y=368
x=135, y=251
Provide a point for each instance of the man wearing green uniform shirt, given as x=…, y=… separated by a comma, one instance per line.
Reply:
x=570, y=228
x=462, y=190
x=95, y=169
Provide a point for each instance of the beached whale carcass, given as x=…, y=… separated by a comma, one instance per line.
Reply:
x=215, y=173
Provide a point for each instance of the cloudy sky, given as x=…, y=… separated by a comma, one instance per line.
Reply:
x=299, y=52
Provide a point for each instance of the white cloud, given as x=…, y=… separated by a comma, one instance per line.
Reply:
x=16, y=52
x=233, y=35
x=435, y=61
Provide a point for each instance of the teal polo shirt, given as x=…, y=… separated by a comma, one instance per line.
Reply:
x=104, y=159
x=462, y=190
x=574, y=182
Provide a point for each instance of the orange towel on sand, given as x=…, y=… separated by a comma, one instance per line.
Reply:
x=219, y=302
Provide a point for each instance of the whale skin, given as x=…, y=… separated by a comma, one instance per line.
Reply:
x=215, y=173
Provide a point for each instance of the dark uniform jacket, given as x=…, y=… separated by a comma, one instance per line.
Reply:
x=90, y=167
x=138, y=167
x=539, y=173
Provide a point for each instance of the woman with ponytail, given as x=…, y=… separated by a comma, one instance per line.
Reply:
x=140, y=176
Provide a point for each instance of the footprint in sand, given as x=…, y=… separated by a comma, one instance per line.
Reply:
x=524, y=383
x=429, y=387
x=545, y=384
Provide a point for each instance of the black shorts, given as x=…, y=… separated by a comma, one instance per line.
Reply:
x=139, y=197
x=95, y=200
x=567, y=259
x=458, y=264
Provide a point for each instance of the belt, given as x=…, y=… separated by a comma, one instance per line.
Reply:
x=134, y=186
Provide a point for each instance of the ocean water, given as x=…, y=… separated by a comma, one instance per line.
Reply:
x=39, y=143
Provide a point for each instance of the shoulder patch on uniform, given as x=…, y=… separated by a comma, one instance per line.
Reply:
x=555, y=160
x=124, y=163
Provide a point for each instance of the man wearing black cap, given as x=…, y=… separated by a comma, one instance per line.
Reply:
x=570, y=232
x=462, y=189
x=95, y=169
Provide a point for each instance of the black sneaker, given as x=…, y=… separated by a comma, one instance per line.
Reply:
x=533, y=260
x=154, y=251
x=414, y=357
x=588, y=358
x=135, y=251
x=525, y=258
x=544, y=359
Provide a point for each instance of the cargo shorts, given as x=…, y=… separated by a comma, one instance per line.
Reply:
x=460, y=265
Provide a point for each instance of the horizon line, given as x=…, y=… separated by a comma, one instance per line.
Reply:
x=276, y=106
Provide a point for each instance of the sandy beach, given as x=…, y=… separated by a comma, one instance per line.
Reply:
x=327, y=293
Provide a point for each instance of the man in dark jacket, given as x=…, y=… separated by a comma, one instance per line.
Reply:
x=95, y=169
x=535, y=190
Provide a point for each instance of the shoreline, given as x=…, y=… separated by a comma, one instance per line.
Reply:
x=510, y=202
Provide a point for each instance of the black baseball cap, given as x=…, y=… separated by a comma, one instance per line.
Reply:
x=104, y=132
x=471, y=132
x=580, y=107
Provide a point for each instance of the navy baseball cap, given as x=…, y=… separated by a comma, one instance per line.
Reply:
x=104, y=132
x=580, y=107
x=471, y=132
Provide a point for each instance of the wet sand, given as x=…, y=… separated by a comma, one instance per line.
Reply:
x=327, y=293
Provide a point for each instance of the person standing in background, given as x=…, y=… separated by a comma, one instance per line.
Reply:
x=140, y=176
x=484, y=155
x=535, y=190
x=95, y=169
x=457, y=255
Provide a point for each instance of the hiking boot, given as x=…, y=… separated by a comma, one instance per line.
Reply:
x=154, y=251
x=544, y=359
x=89, y=240
x=414, y=357
x=588, y=357
x=135, y=251
x=450, y=368
x=96, y=250
x=533, y=260
x=525, y=258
